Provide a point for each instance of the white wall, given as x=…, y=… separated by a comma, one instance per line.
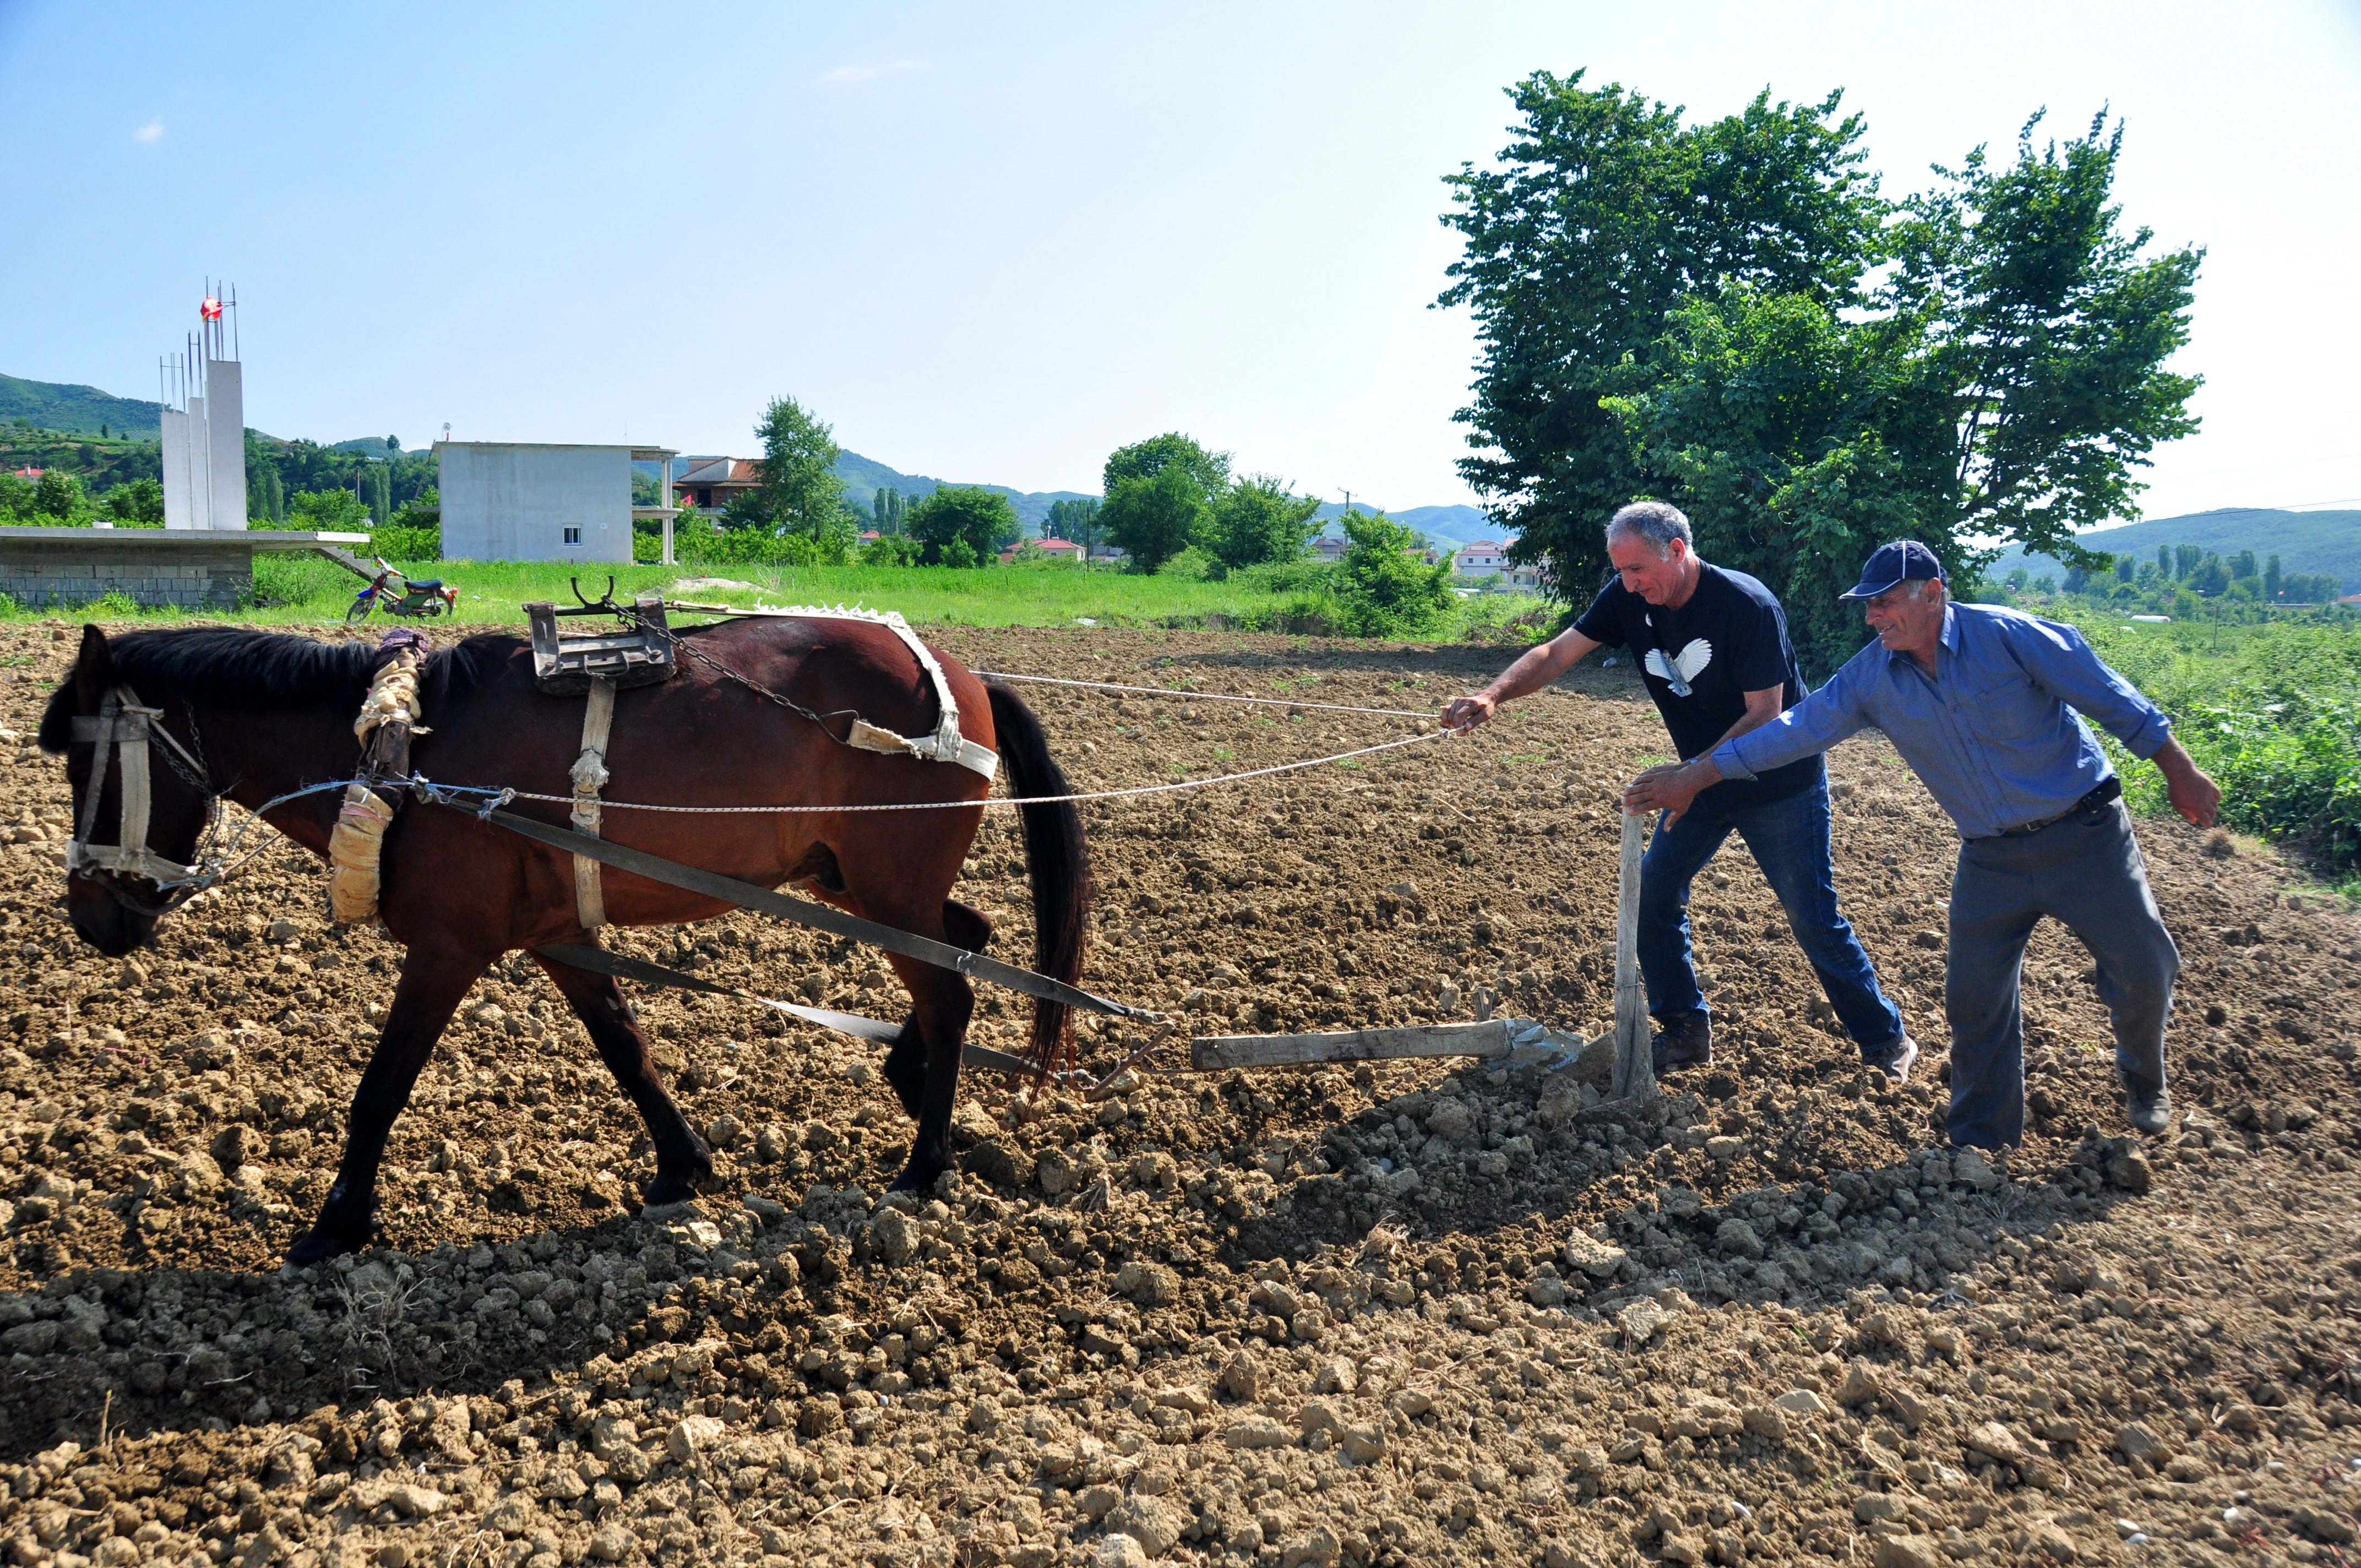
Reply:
x=225, y=435
x=512, y=502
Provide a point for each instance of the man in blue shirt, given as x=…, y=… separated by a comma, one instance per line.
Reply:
x=1712, y=646
x=1986, y=705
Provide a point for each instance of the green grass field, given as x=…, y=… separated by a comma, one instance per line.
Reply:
x=308, y=590
x=2272, y=710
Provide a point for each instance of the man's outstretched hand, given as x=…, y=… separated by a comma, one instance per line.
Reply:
x=1468, y=712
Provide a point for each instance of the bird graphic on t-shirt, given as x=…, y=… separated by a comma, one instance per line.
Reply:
x=1684, y=667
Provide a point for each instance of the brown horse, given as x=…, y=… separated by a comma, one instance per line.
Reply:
x=260, y=714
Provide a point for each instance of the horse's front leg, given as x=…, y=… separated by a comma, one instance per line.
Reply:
x=684, y=1160
x=434, y=978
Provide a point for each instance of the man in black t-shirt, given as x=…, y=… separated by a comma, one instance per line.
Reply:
x=1711, y=644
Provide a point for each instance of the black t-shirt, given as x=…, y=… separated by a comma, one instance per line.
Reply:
x=1701, y=660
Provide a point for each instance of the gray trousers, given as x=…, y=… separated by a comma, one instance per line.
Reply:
x=2088, y=876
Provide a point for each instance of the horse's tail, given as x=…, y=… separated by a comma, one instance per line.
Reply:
x=1060, y=864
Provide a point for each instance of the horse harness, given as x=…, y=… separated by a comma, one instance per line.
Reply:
x=123, y=724
x=598, y=667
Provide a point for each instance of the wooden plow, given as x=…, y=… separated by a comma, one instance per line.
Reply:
x=1516, y=1041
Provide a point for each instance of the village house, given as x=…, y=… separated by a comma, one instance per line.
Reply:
x=1485, y=559
x=1055, y=549
x=710, y=484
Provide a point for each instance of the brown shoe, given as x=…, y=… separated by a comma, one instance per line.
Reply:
x=1684, y=1043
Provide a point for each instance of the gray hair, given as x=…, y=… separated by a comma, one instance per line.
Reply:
x=1658, y=523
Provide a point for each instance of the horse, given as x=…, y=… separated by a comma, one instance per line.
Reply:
x=255, y=716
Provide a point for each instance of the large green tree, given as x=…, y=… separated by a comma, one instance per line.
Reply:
x=1730, y=317
x=1386, y=589
x=1153, y=518
x=1208, y=472
x=962, y=525
x=799, y=492
x=1258, y=519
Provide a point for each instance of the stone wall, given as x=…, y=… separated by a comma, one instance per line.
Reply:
x=46, y=573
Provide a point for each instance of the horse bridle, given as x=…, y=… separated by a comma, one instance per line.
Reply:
x=124, y=724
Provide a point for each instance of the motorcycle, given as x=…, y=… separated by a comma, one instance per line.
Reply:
x=417, y=597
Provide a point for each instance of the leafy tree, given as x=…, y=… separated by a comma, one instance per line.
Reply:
x=961, y=525
x=799, y=493
x=338, y=510
x=1383, y=590
x=1604, y=213
x=2045, y=334
x=377, y=491
x=890, y=550
x=1258, y=519
x=393, y=443
x=2125, y=567
x=2077, y=580
x=1768, y=424
x=1153, y=518
x=2241, y=565
x=2045, y=584
x=2017, y=579
x=56, y=494
x=15, y=495
x=1729, y=316
x=2210, y=578
x=2185, y=560
x=141, y=500
x=1209, y=472
x=2164, y=561
x=2271, y=578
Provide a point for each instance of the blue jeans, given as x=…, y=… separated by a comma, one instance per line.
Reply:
x=1790, y=841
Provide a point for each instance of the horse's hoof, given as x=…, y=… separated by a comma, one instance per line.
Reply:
x=317, y=1247
x=917, y=1178
x=667, y=1191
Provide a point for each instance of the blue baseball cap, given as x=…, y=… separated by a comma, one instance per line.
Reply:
x=1899, y=562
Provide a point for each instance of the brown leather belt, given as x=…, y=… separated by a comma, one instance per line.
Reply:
x=2107, y=794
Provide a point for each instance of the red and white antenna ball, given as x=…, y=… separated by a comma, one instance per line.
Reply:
x=211, y=309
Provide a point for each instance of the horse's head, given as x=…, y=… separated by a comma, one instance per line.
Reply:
x=112, y=891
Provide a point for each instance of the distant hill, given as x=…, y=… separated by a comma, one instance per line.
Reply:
x=53, y=405
x=2326, y=542
x=864, y=476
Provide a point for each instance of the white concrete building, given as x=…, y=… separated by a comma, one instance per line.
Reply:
x=531, y=501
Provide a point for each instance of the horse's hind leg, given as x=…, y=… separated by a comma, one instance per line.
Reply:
x=906, y=1064
x=683, y=1162
x=433, y=981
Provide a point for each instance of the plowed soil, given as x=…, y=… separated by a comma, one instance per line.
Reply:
x=1452, y=1311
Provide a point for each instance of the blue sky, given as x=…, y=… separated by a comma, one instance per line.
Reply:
x=990, y=243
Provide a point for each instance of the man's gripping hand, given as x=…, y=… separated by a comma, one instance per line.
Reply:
x=1670, y=788
x=1468, y=712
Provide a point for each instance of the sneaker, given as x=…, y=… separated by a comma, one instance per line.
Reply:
x=1684, y=1043
x=1895, y=1061
x=2150, y=1110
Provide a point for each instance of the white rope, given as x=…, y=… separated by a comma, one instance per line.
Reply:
x=953, y=805
x=1208, y=697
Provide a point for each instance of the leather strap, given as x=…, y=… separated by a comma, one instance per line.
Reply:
x=589, y=776
x=819, y=916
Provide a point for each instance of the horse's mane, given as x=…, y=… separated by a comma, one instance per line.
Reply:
x=255, y=671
